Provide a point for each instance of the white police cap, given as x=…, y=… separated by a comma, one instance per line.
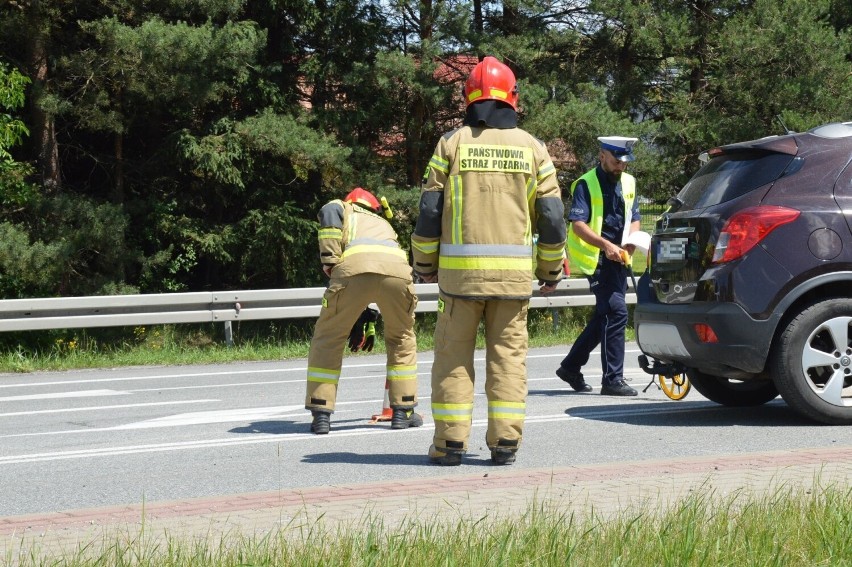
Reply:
x=621, y=147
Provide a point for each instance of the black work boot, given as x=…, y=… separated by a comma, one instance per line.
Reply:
x=322, y=422
x=502, y=456
x=444, y=458
x=574, y=379
x=619, y=388
x=405, y=418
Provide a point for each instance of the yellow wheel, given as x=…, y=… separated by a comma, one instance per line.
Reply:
x=676, y=387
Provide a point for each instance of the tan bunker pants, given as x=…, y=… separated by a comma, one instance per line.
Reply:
x=343, y=302
x=505, y=371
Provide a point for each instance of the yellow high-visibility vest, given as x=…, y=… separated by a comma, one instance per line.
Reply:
x=584, y=256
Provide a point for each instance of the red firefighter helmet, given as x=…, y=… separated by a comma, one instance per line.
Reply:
x=359, y=196
x=491, y=80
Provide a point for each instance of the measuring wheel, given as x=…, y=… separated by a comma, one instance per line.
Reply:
x=675, y=387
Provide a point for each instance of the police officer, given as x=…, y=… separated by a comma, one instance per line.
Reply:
x=489, y=188
x=604, y=211
x=360, y=253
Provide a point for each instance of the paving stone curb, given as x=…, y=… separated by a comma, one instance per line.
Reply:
x=601, y=489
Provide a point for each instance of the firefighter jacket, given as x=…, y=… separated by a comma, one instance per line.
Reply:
x=585, y=255
x=490, y=214
x=355, y=241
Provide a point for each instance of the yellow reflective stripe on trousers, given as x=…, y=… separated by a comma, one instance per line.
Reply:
x=507, y=410
x=323, y=375
x=457, y=202
x=452, y=412
x=400, y=373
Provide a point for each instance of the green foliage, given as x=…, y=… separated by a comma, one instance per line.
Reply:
x=810, y=82
x=51, y=245
x=176, y=67
x=15, y=191
x=64, y=246
x=12, y=129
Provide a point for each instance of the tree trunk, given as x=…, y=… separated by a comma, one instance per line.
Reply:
x=43, y=127
x=414, y=142
x=118, y=187
x=701, y=27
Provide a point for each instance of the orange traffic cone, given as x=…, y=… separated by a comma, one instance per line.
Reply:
x=387, y=412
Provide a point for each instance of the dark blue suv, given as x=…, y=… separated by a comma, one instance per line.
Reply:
x=751, y=275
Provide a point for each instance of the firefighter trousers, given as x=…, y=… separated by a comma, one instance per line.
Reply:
x=343, y=302
x=453, y=377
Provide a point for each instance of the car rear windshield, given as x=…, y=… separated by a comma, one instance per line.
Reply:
x=731, y=175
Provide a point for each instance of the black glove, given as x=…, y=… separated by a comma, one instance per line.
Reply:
x=363, y=333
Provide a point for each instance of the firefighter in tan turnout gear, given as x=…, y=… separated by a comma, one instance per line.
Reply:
x=360, y=254
x=489, y=190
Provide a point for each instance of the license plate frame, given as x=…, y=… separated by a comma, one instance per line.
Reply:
x=671, y=250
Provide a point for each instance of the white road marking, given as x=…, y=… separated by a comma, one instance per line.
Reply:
x=63, y=395
x=176, y=376
x=96, y=408
x=215, y=416
x=153, y=377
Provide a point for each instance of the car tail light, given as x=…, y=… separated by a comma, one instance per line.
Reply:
x=705, y=333
x=748, y=227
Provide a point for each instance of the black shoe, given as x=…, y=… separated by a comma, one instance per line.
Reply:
x=619, y=388
x=405, y=418
x=499, y=457
x=447, y=459
x=574, y=379
x=322, y=422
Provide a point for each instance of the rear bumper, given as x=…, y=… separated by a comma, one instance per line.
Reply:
x=667, y=333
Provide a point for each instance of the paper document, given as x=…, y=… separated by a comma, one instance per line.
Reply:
x=640, y=239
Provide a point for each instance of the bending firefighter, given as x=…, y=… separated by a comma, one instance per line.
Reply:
x=360, y=254
x=489, y=188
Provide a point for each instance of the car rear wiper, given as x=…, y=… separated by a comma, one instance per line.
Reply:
x=674, y=204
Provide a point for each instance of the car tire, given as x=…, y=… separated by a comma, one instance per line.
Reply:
x=735, y=393
x=811, y=362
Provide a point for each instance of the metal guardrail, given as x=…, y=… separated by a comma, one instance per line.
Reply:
x=221, y=306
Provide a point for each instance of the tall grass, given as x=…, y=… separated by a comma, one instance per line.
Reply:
x=788, y=527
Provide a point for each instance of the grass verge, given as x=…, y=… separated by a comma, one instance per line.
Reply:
x=784, y=527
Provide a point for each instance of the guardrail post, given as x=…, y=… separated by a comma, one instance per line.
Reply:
x=229, y=334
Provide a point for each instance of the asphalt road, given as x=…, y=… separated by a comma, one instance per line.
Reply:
x=94, y=438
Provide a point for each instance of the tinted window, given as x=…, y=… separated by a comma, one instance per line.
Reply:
x=731, y=175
